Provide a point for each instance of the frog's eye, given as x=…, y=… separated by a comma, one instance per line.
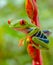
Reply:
x=22, y=22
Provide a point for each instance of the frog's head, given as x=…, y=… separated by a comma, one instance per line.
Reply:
x=20, y=25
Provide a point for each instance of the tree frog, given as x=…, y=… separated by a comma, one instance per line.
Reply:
x=34, y=35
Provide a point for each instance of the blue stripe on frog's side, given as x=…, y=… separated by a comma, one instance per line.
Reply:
x=45, y=40
x=41, y=36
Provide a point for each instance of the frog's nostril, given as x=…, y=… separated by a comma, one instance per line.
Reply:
x=9, y=21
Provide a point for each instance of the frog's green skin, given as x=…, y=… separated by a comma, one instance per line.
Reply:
x=16, y=25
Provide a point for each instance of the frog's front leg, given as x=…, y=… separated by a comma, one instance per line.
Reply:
x=41, y=43
x=34, y=31
x=21, y=43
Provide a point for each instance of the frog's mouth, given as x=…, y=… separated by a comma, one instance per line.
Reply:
x=25, y=30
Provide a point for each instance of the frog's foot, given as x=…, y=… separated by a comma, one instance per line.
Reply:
x=21, y=43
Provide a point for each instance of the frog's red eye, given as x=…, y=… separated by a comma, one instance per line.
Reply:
x=22, y=22
x=9, y=21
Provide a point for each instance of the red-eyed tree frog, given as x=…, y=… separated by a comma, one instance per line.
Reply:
x=34, y=35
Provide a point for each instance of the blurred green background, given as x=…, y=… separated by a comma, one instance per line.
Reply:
x=10, y=54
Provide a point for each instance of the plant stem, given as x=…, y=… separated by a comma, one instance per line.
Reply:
x=38, y=58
